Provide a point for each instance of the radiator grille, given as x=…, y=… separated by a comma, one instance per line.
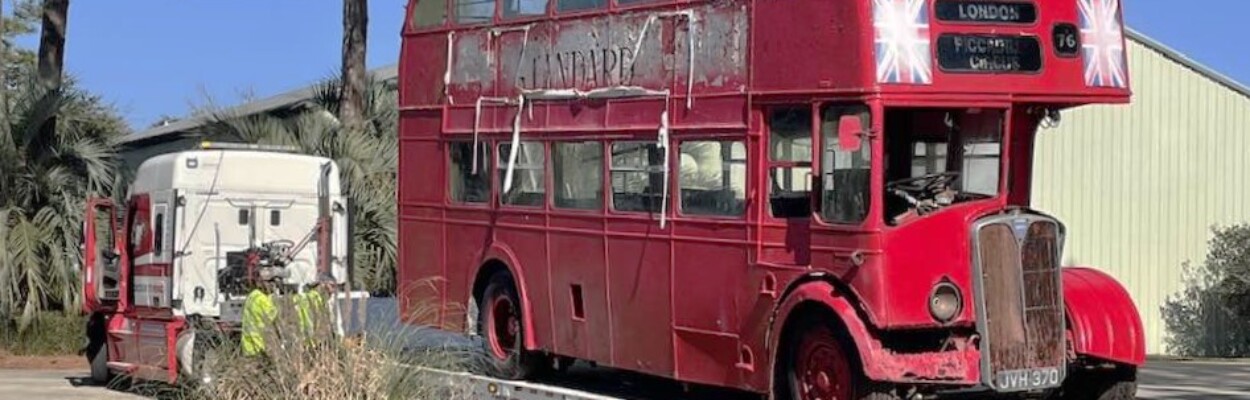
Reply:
x=1020, y=293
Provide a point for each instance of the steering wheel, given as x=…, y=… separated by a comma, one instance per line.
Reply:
x=930, y=183
x=282, y=243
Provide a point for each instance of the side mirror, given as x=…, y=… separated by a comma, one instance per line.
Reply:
x=850, y=128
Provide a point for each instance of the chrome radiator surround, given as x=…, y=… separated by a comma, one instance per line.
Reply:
x=1009, y=250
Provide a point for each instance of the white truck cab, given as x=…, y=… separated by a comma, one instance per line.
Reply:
x=186, y=247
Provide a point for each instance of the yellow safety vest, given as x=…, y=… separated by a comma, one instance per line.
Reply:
x=308, y=303
x=258, y=312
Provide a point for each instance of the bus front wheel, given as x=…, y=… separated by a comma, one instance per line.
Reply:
x=818, y=365
x=502, y=330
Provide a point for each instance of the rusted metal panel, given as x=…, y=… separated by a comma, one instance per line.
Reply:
x=648, y=49
x=1000, y=271
x=1022, y=320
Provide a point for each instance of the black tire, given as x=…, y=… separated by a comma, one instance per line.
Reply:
x=97, y=351
x=100, y=373
x=816, y=327
x=504, y=343
x=206, y=355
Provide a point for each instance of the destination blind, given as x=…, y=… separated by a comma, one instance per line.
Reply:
x=989, y=53
x=1000, y=12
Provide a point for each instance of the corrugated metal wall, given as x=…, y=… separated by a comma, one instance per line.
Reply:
x=1140, y=186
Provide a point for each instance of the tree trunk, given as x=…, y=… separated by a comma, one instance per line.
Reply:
x=52, y=56
x=352, y=103
x=4, y=80
x=52, y=43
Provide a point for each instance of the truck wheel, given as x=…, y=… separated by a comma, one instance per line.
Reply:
x=204, y=358
x=97, y=350
x=98, y=354
x=818, y=366
x=503, y=334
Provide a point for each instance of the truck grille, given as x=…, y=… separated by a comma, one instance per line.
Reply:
x=1019, y=297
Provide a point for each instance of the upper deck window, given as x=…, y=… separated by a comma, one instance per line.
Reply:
x=524, y=8
x=579, y=5
x=464, y=185
x=633, y=2
x=713, y=178
x=578, y=174
x=429, y=13
x=637, y=176
x=474, y=11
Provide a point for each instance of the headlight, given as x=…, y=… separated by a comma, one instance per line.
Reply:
x=945, y=302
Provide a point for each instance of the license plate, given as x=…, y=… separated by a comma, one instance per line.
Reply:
x=1027, y=379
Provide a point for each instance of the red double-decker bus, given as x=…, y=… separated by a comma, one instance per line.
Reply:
x=811, y=199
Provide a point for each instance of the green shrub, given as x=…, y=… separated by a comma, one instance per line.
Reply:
x=1211, y=316
x=50, y=334
x=319, y=364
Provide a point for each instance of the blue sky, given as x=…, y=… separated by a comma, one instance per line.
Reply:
x=159, y=57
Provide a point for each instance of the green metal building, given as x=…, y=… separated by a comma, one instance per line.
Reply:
x=1139, y=186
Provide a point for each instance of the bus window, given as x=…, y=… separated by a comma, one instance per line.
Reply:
x=637, y=176
x=474, y=11
x=429, y=13
x=528, y=180
x=845, y=174
x=464, y=185
x=790, y=161
x=578, y=175
x=524, y=8
x=954, y=150
x=633, y=2
x=579, y=5
x=713, y=178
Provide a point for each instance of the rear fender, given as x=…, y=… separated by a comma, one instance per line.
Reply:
x=1103, y=322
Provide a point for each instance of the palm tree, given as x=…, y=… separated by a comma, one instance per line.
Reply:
x=367, y=161
x=46, y=179
x=355, y=29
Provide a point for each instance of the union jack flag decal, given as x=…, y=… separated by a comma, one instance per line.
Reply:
x=1102, y=42
x=902, y=41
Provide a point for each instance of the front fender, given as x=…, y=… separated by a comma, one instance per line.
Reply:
x=1102, y=319
x=954, y=366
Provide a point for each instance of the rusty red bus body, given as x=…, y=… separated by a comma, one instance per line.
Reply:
x=700, y=284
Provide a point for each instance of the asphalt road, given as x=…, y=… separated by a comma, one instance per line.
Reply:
x=53, y=385
x=1160, y=380
x=1194, y=380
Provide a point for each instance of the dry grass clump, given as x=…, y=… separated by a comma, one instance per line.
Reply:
x=318, y=364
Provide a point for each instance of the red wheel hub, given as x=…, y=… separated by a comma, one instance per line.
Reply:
x=503, y=327
x=821, y=370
